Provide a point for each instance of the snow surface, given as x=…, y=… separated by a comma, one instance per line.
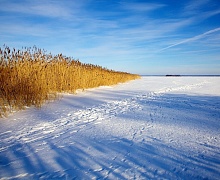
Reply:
x=151, y=128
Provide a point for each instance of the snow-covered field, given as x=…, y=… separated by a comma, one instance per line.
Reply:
x=151, y=128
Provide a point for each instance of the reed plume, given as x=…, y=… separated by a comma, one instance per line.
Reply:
x=31, y=76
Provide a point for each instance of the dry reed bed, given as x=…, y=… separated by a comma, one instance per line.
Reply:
x=31, y=76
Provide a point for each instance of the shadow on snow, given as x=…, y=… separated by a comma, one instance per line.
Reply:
x=124, y=158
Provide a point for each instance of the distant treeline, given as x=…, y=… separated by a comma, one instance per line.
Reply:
x=170, y=75
x=183, y=75
x=31, y=76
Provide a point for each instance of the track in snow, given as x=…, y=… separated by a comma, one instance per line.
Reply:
x=157, y=134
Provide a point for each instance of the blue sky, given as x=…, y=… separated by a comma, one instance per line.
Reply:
x=137, y=36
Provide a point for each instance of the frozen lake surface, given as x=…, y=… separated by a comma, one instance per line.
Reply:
x=151, y=128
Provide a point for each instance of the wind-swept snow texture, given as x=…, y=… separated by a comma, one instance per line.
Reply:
x=151, y=128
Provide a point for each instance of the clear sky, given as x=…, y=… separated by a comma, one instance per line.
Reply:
x=137, y=36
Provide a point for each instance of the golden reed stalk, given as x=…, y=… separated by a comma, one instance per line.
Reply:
x=31, y=77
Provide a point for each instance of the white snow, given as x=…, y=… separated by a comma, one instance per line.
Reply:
x=151, y=128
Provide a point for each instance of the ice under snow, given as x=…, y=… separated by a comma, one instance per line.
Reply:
x=151, y=128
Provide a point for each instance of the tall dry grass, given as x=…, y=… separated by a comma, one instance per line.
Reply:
x=31, y=76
